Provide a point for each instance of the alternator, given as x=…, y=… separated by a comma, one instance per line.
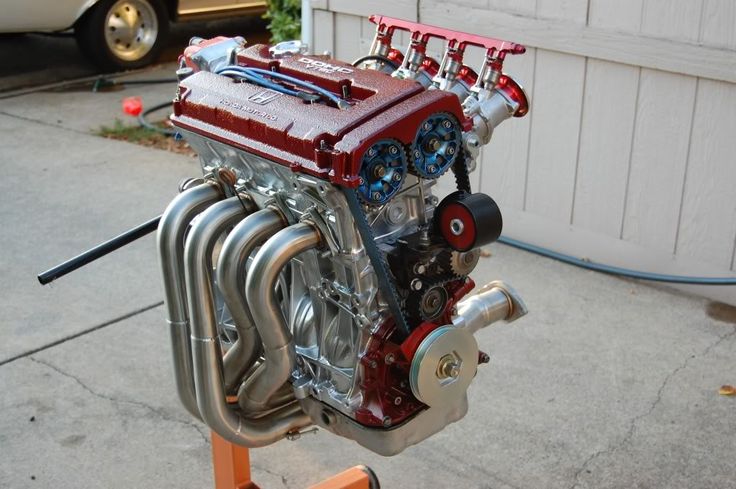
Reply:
x=311, y=276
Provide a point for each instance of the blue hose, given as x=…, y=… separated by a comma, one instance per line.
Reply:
x=258, y=76
x=298, y=82
x=257, y=80
x=623, y=272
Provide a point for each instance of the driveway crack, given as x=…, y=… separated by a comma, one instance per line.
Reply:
x=284, y=480
x=634, y=423
x=82, y=333
x=45, y=123
x=156, y=411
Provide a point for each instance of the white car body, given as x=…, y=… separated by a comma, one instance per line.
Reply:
x=40, y=16
x=116, y=34
x=60, y=15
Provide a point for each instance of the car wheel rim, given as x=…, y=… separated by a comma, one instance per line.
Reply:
x=131, y=28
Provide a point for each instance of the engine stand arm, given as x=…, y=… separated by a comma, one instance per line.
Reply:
x=231, y=464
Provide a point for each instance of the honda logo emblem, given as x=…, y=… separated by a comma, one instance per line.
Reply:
x=263, y=97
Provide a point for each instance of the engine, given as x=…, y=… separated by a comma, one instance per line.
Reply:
x=312, y=276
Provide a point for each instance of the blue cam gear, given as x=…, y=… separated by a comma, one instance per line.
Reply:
x=436, y=146
x=382, y=172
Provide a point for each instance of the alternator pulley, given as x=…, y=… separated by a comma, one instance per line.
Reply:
x=443, y=366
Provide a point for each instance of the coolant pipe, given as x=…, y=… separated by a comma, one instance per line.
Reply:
x=170, y=242
x=250, y=233
x=278, y=345
x=496, y=301
x=206, y=351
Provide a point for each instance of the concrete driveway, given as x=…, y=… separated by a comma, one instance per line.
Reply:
x=607, y=383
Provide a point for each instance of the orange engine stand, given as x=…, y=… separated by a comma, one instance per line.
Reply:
x=231, y=464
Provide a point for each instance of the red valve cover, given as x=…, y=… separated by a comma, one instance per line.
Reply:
x=317, y=139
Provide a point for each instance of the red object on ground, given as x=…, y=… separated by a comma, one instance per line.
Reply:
x=133, y=106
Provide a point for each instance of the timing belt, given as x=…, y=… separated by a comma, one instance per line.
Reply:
x=460, y=169
x=385, y=282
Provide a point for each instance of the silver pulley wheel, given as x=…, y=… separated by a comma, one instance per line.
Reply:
x=131, y=29
x=443, y=366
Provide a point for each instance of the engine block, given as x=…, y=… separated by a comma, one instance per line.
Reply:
x=312, y=276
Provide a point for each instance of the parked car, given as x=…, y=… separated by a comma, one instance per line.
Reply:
x=117, y=34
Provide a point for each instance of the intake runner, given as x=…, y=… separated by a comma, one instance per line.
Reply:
x=312, y=275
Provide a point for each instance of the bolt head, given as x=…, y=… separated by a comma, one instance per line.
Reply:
x=396, y=177
x=393, y=150
x=451, y=151
x=448, y=367
x=386, y=421
x=417, y=154
x=377, y=195
x=456, y=227
x=447, y=124
x=454, y=371
x=371, y=152
x=379, y=171
x=427, y=126
x=416, y=284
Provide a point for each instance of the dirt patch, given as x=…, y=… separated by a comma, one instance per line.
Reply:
x=721, y=312
x=146, y=137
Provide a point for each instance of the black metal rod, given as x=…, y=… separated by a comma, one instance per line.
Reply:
x=99, y=251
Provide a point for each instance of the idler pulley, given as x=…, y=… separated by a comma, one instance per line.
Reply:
x=468, y=221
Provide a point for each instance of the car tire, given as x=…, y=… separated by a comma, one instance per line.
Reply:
x=123, y=34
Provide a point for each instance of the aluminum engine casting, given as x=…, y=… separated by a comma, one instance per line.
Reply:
x=311, y=275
